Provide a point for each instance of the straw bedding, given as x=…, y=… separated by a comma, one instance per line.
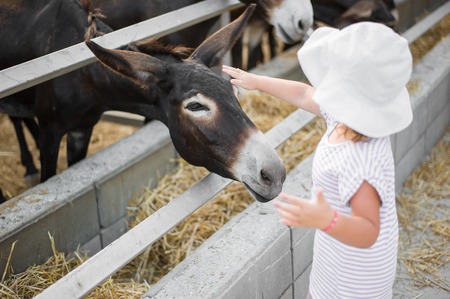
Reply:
x=424, y=217
x=422, y=208
x=12, y=172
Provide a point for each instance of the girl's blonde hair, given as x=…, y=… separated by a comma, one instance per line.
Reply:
x=356, y=136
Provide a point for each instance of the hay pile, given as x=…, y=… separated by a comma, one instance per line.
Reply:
x=133, y=280
x=37, y=278
x=420, y=47
x=426, y=42
x=12, y=172
x=424, y=217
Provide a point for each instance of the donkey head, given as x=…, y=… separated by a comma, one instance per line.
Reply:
x=291, y=19
x=206, y=122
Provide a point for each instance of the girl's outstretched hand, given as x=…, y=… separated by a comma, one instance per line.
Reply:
x=297, y=211
x=241, y=78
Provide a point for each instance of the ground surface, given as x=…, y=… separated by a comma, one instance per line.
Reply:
x=423, y=208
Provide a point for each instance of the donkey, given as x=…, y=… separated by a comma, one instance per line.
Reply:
x=31, y=29
x=170, y=84
x=341, y=13
x=300, y=14
x=291, y=19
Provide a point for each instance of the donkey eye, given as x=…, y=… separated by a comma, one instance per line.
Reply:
x=196, y=106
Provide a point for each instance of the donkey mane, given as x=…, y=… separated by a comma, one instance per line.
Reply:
x=157, y=47
x=93, y=13
x=148, y=46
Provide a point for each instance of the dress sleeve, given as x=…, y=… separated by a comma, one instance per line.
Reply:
x=361, y=167
x=328, y=119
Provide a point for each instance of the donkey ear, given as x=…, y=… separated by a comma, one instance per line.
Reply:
x=212, y=50
x=138, y=67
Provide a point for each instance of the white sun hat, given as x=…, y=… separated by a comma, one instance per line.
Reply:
x=360, y=75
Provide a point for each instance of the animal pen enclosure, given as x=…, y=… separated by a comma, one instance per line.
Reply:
x=102, y=177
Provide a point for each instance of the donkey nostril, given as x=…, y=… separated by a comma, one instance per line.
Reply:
x=265, y=177
x=300, y=25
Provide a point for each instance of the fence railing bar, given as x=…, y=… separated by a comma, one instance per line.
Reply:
x=105, y=263
x=419, y=28
x=33, y=72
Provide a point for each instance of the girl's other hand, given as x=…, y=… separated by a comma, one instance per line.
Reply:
x=297, y=211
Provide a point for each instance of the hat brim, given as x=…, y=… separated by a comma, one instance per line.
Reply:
x=359, y=113
x=313, y=55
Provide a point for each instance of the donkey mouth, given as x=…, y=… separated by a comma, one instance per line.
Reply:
x=285, y=36
x=257, y=196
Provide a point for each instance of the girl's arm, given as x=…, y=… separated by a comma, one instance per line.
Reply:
x=293, y=92
x=361, y=229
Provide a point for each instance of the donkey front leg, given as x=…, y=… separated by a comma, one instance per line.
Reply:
x=77, y=144
x=33, y=128
x=50, y=140
x=25, y=154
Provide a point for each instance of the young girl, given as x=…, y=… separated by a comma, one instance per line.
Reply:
x=358, y=76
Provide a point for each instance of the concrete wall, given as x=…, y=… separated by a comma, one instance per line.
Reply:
x=430, y=100
x=254, y=256
x=86, y=204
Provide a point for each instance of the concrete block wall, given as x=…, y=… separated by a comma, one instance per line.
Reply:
x=254, y=256
x=430, y=99
x=86, y=204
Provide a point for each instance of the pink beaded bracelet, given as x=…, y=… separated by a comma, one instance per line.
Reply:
x=333, y=222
